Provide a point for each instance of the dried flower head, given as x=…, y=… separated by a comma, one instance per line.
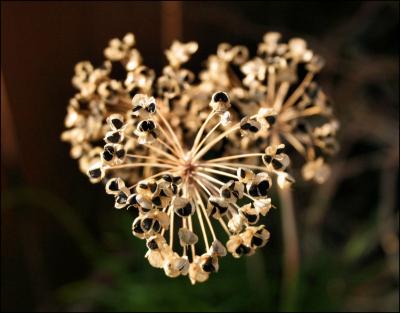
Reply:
x=186, y=190
x=190, y=157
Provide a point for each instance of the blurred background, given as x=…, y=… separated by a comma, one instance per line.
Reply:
x=64, y=247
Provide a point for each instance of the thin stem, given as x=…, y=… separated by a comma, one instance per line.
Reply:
x=130, y=165
x=215, y=141
x=171, y=228
x=159, y=151
x=218, y=172
x=191, y=229
x=201, y=130
x=295, y=142
x=200, y=183
x=210, y=178
x=205, y=214
x=166, y=123
x=206, y=137
x=280, y=96
x=299, y=91
x=239, y=156
x=168, y=138
x=205, y=165
x=172, y=149
x=223, y=224
x=203, y=230
x=291, y=244
x=205, y=149
x=138, y=156
x=222, y=165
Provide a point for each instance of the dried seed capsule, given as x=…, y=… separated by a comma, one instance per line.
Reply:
x=217, y=207
x=187, y=237
x=115, y=121
x=182, y=207
x=121, y=198
x=250, y=214
x=249, y=127
x=245, y=175
x=220, y=102
x=113, y=136
x=114, y=185
x=95, y=173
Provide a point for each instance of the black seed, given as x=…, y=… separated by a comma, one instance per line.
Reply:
x=220, y=96
x=186, y=210
x=151, y=125
x=271, y=119
x=253, y=191
x=222, y=210
x=156, y=201
x=151, y=108
x=145, y=209
x=208, y=266
x=245, y=126
x=268, y=158
x=177, y=179
x=225, y=193
x=120, y=153
x=174, y=189
x=156, y=226
x=276, y=164
x=114, y=137
x=137, y=228
x=153, y=187
x=147, y=223
x=213, y=211
x=279, y=150
x=162, y=193
x=117, y=123
x=135, y=109
x=242, y=173
x=253, y=129
x=242, y=250
x=121, y=198
x=113, y=186
x=235, y=194
x=167, y=178
x=95, y=173
x=256, y=241
x=152, y=245
x=143, y=186
x=143, y=126
x=263, y=187
x=250, y=217
x=107, y=155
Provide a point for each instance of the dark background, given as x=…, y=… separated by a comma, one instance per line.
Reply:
x=64, y=248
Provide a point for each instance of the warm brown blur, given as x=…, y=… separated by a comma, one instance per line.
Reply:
x=63, y=247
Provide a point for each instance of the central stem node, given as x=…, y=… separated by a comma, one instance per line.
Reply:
x=188, y=167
